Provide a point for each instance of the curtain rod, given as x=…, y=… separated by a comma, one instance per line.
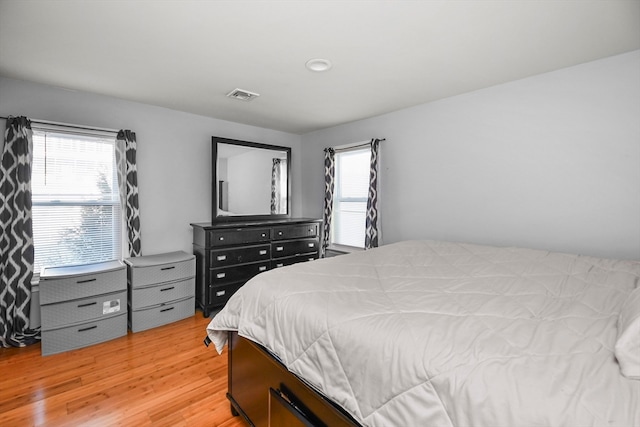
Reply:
x=351, y=147
x=47, y=122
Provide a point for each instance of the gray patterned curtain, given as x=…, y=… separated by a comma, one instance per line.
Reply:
x=329, y=175
x=126, y=147
x=277, y=201
x=371, y=232
x=16, y=240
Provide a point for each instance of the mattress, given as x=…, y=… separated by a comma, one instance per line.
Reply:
x=448, y=334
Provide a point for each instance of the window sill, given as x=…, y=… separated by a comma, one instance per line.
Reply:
x=344, y=249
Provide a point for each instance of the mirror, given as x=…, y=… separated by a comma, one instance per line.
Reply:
x=250, y=180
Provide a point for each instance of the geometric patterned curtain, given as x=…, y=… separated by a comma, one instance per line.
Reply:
x=371, y=231
x=278, y=202
x=126, y=147
x=329, y=177
x=16, y=238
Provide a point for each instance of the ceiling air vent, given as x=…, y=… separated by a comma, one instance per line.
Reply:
x=242, y=95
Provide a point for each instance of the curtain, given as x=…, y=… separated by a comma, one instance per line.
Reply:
x=278, y=173
x=126, y=147
x=16, y=240
x=371, y=232
x=329, y=175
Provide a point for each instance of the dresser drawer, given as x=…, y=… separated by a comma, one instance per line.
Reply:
x=67, y=283
x=82, y=310
x=239, y=236
x=162, y=314
x=154, y=269
x=218, y=295
x=294, y=247
x=162, y=293
x=224, y=276
x=295, y=232
x=282, y=262
x=82, y=335
x=232, y=256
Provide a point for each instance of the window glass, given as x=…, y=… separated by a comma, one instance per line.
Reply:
x=76, y=203
x=350, y=197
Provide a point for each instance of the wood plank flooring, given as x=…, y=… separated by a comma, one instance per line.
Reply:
x=160, y=377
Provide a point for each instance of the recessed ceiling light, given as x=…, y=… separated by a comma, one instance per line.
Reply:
x=318, y=65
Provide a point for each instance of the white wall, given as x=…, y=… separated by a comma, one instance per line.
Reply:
x=551, y=161
x=174, y=153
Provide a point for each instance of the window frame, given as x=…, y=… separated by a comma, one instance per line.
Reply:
x=118, y=235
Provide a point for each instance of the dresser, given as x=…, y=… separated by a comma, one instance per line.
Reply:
x=82, y=305
x=229, y=254
x=161, y=289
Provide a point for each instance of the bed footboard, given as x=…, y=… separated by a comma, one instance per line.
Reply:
x=266, y=394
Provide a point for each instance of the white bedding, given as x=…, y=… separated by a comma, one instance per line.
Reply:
x=425, y=333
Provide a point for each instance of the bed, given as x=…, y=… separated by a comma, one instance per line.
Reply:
x=429, y=333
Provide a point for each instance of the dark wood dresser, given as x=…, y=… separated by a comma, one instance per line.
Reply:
x=230, y=253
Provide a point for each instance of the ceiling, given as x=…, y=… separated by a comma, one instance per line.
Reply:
x=386, y=55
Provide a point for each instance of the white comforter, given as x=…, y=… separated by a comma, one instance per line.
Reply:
x=425, y=333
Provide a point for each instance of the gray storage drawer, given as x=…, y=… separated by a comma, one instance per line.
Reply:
x=81, y=281
x=159, y=294
x=78, y=336
x=82, y=310
x=162, y=314
x=154, y=269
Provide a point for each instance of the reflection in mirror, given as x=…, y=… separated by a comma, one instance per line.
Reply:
x=251, y=180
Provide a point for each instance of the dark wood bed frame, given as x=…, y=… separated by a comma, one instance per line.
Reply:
x=265, y=393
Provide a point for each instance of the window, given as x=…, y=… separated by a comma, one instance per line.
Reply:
x=350, y=197
x=76, y=202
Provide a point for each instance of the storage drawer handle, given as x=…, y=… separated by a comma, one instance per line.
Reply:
x=312, y=245
x=167, y=289
x=88, y=329
x=221, y=238
x=279, y=265
x=220, y=293
x=166, y=309
x=221, y=257
x=279, y=248
x=87, y=281
x=279, y=233
x=87, y=304
x=168, y=268
x=221, y=275
x=262, y=268
x=264, y=234
x=263, y=252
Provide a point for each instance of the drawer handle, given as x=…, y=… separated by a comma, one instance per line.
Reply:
x=88, y=329
x=87, y=281
x=264, y=234
x=220, y=293
x=279, y=248
x=262, y=268
x=221, y=238
x=168, y=268
x=167, y=289
x=312, y=245
x=166, y=309
x=263, y=252
x=87, y=304
x=279, y=265
x=221, y=257
x=221, y=275
x=279, y=233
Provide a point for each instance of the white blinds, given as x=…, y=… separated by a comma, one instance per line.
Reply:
x=76, y=205
x=350, y=197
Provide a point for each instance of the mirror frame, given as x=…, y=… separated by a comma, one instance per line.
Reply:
x=215, y=140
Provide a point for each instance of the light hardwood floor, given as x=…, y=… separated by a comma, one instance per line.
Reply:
x=162, y=377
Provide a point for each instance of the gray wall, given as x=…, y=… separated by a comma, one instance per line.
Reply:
x=551, y=161
x=174, y=149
